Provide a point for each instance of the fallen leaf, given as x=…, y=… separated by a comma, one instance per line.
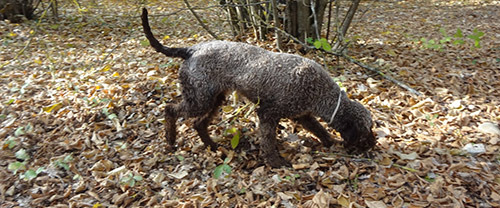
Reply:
x=375, y=204
x=489, y=128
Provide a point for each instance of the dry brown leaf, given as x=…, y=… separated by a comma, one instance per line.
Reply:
x=375, y=204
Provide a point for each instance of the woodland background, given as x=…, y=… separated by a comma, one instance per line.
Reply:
x=82, y=97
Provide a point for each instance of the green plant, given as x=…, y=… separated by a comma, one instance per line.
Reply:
x=20, y=166
x=10, y=142
x=64, y=163
x=31, y=174
x=320, y=44
x=431, y=118
x=16, y=166
x=236, y=136
x=476, y=36
x=22, y=155
x=109, y=115
x=292, y=177
x=223, y=168
x=235, y=132
x=456, y=39
x=131, y=179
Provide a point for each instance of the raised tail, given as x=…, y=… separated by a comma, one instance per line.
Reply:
x=171, y=52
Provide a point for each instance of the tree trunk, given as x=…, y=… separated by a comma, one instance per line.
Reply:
x=346, y=24
x=300, y=20
x=15, y=9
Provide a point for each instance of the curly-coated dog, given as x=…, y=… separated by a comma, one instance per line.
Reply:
x=285, y=85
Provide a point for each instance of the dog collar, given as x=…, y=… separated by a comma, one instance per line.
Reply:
x=336, y=108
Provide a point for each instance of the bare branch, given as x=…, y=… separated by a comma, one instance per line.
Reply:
x=403, y=85
x=200, y=21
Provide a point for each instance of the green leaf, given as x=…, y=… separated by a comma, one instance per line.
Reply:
x=218, y=172
x=22, y=155
x=145, y=43
x=112, y=116
x=180, y=158
x=226, y=168
x=458, y=42
x=478, y=33
x=15, y=166
x=220, y=169
x=232, y=130
x=29, y=174
x=39, y=170
x=310, y=40
x=326, y=46
x=62, y=164
x=137, y=178
x=458, y=34
x=10, y=101
x=19, y=131
x=10, y=142
x=445, y=40
x=476, y=44
x=317, y=44
x=68, y=158
x=235, y=140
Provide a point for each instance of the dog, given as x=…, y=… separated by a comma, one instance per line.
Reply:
x=284, y=85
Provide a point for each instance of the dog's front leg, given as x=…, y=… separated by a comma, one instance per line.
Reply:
x=268, y=143
x=311, y=124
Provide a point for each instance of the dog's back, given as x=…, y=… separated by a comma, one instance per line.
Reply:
x=258, y=74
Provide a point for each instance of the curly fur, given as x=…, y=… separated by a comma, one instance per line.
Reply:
x=285, y=85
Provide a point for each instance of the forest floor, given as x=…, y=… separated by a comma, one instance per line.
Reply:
x=81, y=118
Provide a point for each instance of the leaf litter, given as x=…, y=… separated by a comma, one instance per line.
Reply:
x=82, y=125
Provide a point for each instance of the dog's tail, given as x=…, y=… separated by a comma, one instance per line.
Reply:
x=171, y=52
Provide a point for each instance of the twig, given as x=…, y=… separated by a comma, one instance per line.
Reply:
x=200, y=21
x=403, y=85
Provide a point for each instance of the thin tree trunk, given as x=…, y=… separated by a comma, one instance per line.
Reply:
x=277, y=24
x=346, y=23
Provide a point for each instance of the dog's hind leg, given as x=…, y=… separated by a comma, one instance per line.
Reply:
x=311, y=124
x=200, y=100
x=202, y=123
x=171, y=115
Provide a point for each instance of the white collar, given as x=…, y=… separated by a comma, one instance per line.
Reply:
x=336, y=108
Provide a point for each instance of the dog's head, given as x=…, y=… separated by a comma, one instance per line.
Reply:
x=355, y=126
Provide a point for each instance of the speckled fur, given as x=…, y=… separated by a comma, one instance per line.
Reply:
x=285, y=85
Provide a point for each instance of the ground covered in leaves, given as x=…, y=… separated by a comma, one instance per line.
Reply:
x=82, y=97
